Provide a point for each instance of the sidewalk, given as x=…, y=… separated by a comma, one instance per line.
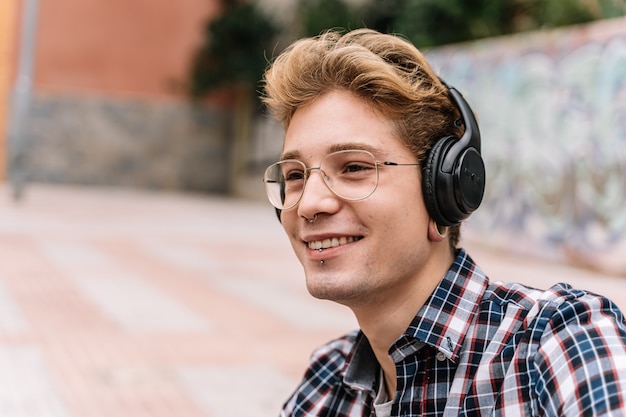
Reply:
x=131, y=303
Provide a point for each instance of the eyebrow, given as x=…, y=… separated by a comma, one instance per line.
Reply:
x=347, y=146
x=354, y=147
x=290, y=155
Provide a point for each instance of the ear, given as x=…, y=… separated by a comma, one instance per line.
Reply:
x=436, y=233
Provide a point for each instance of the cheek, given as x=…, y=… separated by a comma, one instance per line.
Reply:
x=408, y=224
x=288, y=221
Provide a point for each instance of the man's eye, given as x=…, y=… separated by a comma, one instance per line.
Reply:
x=356, y=167
x=294, y=176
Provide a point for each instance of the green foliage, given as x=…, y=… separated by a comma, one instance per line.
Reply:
x=564, y=12
x=234, y=50
x=238, y=44
x=315, y=16
x=437, y=22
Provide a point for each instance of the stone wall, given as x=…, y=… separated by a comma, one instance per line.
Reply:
x=87, y=140
x=552, y=111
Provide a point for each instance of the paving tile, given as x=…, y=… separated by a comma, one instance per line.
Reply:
x=27, y=389
x=219, y=389
x=12, y=321
x=129, y=300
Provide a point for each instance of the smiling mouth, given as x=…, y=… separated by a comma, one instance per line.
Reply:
x=332, y=242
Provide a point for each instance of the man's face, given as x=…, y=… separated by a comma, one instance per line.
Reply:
x=386, y=243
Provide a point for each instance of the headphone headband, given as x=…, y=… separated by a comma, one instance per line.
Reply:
x=453, y=178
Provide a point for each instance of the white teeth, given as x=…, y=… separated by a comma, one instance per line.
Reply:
x=331, y=243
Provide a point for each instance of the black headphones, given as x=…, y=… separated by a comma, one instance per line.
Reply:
x=453, y=178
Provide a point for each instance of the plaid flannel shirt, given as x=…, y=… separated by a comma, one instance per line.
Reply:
x=482, y=349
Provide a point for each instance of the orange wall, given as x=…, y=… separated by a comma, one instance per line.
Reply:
x=8, y=17
x=138, y=48
x=123, y=48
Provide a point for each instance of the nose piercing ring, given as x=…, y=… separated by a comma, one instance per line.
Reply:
x=313, y=219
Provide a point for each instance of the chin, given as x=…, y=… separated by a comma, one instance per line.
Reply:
x=321, y=285
x=327, y=286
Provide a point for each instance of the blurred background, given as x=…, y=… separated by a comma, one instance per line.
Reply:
x=152, y=95
x=142, y=271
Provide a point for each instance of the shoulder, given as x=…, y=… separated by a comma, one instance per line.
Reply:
x=582, y=345
x=567, y=341
x=561, y=302
x=319, y=387
x=561, y=308
x=329, y=360
x=578, y=319
x=564, y=308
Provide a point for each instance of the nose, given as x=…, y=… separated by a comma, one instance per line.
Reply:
x=317, y=197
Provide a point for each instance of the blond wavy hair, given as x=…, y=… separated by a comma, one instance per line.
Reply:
x=387, y=71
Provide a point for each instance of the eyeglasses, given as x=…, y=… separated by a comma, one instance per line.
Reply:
x=351, y=175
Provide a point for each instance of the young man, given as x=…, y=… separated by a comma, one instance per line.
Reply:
x=380, y=165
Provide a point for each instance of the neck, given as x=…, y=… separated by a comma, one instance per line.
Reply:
x=386, y=317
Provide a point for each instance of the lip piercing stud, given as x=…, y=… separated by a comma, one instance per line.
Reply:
x=322, y=262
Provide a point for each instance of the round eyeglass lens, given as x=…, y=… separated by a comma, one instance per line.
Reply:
x=284, y=183
x=352, y=175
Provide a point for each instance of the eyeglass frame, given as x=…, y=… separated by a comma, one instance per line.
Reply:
x=307, y=174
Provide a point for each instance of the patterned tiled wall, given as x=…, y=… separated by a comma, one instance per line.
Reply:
x=552, y=111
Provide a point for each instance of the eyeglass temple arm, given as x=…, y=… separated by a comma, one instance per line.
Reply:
x=388, y=163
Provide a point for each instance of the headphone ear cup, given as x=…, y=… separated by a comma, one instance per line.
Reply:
x=453, y=181
x=429, y=179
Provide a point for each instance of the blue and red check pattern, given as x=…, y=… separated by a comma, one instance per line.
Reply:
x=482, y=349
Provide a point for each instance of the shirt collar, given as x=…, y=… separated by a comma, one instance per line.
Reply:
x=444, y=319
x=361, y=367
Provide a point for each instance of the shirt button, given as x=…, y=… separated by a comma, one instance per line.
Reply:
x=441, y=356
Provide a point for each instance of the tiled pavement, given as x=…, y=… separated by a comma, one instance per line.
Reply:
x=118, y=303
